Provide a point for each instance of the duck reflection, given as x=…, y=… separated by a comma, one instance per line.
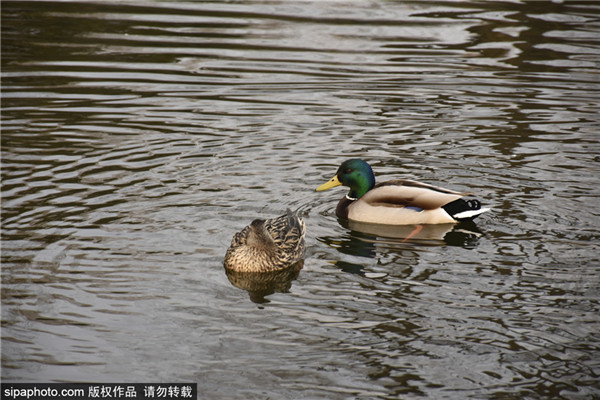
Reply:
x=262, y=284
x=363, y=239
x=464, y=234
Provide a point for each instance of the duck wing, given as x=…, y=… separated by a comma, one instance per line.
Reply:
x=407, y=193
x=240, y=238
x=288, y=233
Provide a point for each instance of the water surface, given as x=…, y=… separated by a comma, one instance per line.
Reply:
x=137, y=138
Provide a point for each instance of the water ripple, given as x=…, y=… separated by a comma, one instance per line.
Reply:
x=137, y=138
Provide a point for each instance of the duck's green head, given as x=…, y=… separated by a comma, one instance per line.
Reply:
x=354, y=173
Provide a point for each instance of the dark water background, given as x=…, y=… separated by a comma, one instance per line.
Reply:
x=137, y=138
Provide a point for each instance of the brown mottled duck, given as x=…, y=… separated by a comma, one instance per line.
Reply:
x=267, y=245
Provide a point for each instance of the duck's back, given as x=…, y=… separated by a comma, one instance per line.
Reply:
x=408, y=193
x=288, y=233
x=403, y=202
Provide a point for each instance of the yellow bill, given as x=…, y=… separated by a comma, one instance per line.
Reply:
x=333, y=182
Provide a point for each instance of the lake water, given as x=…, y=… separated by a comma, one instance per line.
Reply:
x=137, y=138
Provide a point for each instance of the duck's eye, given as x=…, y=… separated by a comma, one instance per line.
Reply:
x=348, y=171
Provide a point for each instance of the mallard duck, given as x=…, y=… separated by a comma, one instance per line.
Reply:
x=267, y=245
x=397, y=202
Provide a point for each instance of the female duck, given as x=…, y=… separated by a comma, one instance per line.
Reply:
x=397, y=202
x=267, y=245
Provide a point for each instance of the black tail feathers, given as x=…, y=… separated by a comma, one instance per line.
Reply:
x=463, y=210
